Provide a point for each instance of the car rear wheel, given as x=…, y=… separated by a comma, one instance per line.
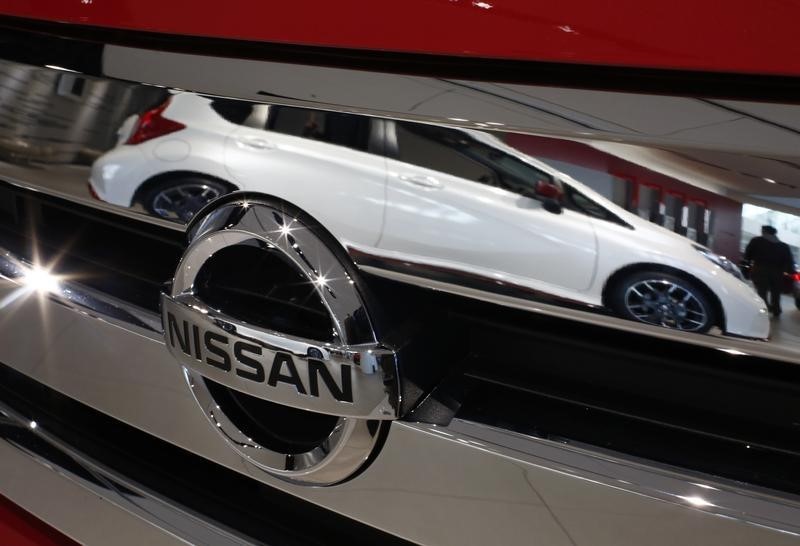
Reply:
x=180, y=199
x=664, y=300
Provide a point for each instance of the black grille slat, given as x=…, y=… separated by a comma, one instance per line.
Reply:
x=119, y=256
x=265, y=514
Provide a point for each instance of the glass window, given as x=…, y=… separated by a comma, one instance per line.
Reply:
x=584, y=204
x=699, y=222
x=577, y=201
x=332, y=127
x=673, y=212
x=649, y=203
x=235, y=111
x=441, y=151
x=622, y=192
x=70, y=85
x=456, y=153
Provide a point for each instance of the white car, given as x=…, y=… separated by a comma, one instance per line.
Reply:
x=455, y=199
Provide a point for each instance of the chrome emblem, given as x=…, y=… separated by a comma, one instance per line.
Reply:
x=250, y=377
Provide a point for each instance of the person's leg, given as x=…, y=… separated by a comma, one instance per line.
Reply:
x=762, y=285
x=776, y=289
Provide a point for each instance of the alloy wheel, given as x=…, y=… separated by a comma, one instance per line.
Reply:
x=182, y=201
x=666, y=303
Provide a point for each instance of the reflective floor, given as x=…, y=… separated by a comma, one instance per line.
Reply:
x=70, y=180
x=786, y=329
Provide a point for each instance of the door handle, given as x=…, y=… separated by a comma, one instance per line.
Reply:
x=421, y=180
x=255, y=143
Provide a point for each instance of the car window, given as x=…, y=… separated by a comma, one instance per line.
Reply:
x=427, y=147
x=455, y=152
x=332, y=127
x=239, y=112
x=579, y=202
x=516, y=175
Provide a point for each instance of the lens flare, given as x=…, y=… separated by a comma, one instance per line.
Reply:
x=38, y=279
x=33, y=280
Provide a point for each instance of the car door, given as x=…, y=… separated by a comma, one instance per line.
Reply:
x=318, y=161
x=455, y=202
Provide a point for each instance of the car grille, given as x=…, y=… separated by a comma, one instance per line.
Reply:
x=540, y=376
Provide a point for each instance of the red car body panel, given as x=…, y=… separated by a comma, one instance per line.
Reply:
x=19, y=528
x=707, y=35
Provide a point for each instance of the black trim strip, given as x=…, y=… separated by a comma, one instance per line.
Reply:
x=98, y=249
x=465, y=279
x=691, y=407
x=79, y=47
x=265, y=514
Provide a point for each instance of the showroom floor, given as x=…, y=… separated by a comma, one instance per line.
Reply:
x=786, y=329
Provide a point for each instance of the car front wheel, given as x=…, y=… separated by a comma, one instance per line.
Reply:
x=664, y=300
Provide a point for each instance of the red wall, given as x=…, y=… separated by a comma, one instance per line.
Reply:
x=727, y=220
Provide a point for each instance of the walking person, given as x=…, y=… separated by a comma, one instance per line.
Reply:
x=770, y=259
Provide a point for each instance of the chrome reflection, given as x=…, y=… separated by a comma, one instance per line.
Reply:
x=416, y=193
x=706, y=493
x=54, y=455
x=41, y=281
x=572, y=203
x=34, y=280
x=361, y=391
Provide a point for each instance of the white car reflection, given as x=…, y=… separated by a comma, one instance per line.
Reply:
x=454, y=199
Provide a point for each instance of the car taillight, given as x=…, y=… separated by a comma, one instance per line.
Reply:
x=796, y=277
x=152, y=124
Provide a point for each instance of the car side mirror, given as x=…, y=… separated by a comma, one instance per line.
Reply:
x=551, y=205
x=550, y=194
x=547, y=190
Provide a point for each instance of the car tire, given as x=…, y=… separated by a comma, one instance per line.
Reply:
x=179, y=199
x=664, y=300
x=797, y=302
